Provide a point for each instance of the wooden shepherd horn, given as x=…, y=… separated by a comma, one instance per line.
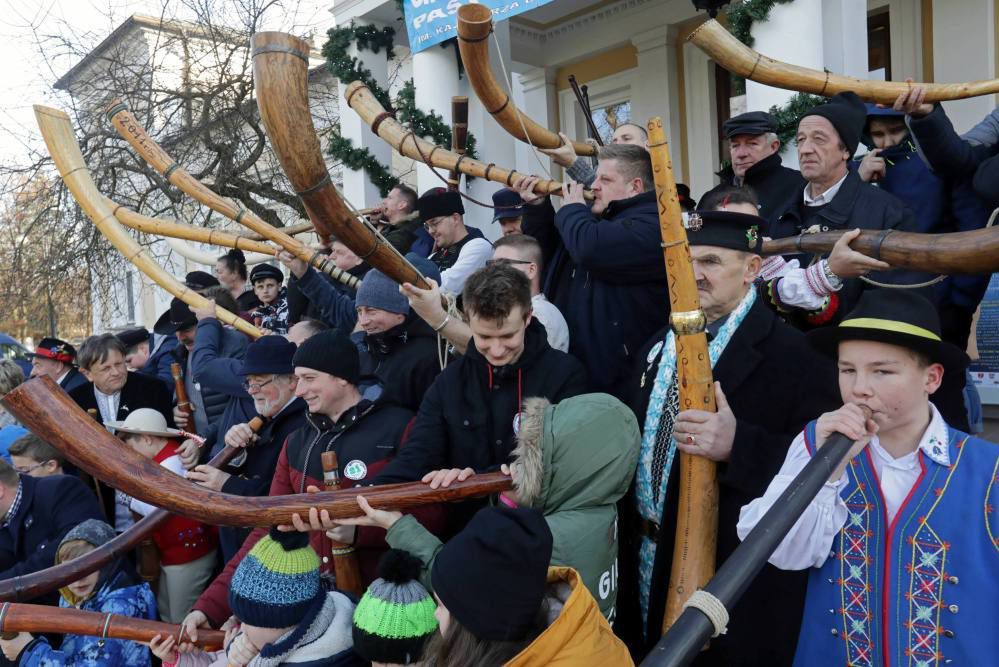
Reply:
x=475, y=23
x=130, y=130
x=57, y=131
x=697, y=513
x=722, y=47
x=281, y=80
x=29, y=586
x=47, y=411
x=36, y=618
x=383, y=124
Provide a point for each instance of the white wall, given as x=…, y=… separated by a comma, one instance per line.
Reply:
x=964, y=50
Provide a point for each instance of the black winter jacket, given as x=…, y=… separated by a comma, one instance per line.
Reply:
x=399, y=365
x=775, y=383
x=606, y=275
x=467, y=417
x=772, y=182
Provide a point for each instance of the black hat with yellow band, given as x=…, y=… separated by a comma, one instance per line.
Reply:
x=896, y=317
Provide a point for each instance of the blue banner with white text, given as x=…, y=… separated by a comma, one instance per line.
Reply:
x=430, y=22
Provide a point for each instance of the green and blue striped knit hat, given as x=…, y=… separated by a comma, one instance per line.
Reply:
x=395, y=617
x=276, y=583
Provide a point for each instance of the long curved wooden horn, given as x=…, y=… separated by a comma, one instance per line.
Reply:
x=48, y=412
x=16, y=617
x=281, y=80
x=30, y=586
x=290, y=230
x=190, y=253
x=361, y=100
x=57, y=130
x=475, y=23
x=130, y=130
x=722, y=47
x=975, y=252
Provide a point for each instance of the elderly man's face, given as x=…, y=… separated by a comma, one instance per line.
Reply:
x=50, y=367
x=629, y=134
x=270, y=393
x=343, y=257
x=821, y=154
x=748, y=149
x=722, y=275
x=108, y=375
x=611, y=185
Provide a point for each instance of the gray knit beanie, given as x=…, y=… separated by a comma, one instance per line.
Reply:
x=91, y=531
x=379, y=291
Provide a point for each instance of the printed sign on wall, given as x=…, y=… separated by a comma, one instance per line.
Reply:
x=430, y=22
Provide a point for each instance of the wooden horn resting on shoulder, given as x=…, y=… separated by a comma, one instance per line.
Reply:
x=385, y=126
x=47, y=411
x=718, y=43
x=475, y=23
x=281, y=80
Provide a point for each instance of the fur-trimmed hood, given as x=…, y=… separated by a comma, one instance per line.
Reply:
x=579, y=453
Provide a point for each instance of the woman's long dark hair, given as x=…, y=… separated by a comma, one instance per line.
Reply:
x=235, y=261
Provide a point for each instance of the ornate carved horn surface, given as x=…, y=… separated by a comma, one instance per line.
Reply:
x=475, y=23
x=45, y=409
x=718, y=43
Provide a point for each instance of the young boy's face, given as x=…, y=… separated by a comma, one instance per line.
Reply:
x=887, y=132
x=266, y=289
x=887, y=379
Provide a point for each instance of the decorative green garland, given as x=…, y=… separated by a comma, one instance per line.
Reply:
x=348, y=68
x=788, y=115
x=741, y=16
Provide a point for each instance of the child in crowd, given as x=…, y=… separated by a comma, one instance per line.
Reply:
x=285, y=616
x=187, y=547
x=499, y=602
x=395, y=618
x=113, y=589
x=272, y=314
x=901, y=539
x=33, y=456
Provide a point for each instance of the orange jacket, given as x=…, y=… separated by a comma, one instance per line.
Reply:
x=579, y=636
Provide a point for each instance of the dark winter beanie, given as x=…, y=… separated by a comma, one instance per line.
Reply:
x=847, y=114
x=379, y=291
x=396, y=615
x=492, y=575
x=276, y=583
x=331, y=352
x=438, y=202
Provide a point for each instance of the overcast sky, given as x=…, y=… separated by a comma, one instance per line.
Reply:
x=26, y=75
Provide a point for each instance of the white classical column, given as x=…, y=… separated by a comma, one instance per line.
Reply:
x=435, y=76
x=794, y=34
x=657, y=63
x=536, y=96
x=844, y=42
x=357, y=185
x=702, y=121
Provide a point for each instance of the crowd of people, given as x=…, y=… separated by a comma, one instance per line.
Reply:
x=549, y=356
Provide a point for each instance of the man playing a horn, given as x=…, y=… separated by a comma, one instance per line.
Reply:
x=398, y=224
x=457, y=252
x=606, y=272
x=754, y=149
x=755, y=357
x=580, y=169
x=56, y=358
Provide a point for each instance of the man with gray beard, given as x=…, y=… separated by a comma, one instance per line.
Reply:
x=270, y=381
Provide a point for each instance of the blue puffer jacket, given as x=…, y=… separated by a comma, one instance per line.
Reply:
x=215, y=362
x=608, y=278
x=120, y=596
x=908, y=178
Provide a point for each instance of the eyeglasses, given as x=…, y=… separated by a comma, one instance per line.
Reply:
x=507, y=262
x=254, y=387
x=430, y=225
x=26, y=470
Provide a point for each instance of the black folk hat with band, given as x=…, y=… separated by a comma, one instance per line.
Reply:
x=896, y=317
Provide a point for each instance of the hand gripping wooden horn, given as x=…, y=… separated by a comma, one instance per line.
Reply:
x=47, y=411
x=57, y=131
x=15, y=617
x=383, y=124
x=281, y=80
x=722, y=47
x=130, y=130
x=29, y=586
x=475, y=23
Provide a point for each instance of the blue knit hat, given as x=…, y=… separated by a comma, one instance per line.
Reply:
x=425, y=266
x=379, y=291
x=269, y=354
x=277, y=583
